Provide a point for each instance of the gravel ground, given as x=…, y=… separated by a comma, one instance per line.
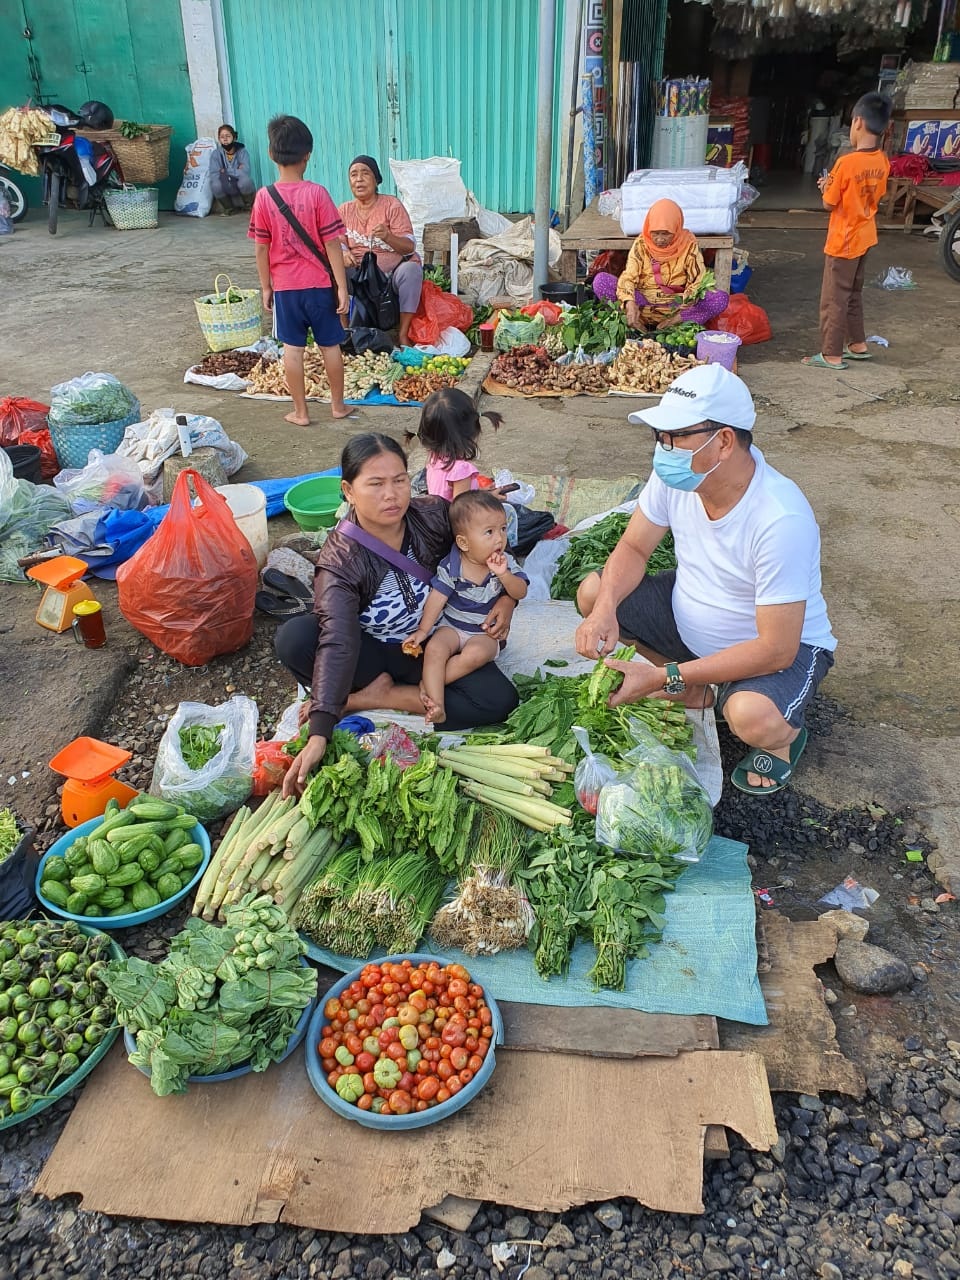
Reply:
x=850, y=1190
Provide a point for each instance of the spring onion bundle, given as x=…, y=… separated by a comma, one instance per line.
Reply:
x=515, y=778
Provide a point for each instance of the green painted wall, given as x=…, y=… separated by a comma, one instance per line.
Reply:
x=127, y=53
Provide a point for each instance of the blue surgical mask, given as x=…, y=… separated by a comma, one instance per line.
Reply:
x=675, y=467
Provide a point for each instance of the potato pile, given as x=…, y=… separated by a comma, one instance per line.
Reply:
x=219, y=362
x=267, y=377
x=530, y=370
x=648, y=366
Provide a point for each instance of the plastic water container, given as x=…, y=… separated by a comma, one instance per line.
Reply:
x=718, y=348
x=248, y=505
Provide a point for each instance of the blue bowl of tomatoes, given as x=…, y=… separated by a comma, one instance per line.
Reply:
x=403, y=1042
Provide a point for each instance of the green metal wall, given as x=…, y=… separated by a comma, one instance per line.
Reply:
x=127, y=53
x=401, y=78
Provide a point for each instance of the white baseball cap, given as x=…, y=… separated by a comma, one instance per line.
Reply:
x=707, y=392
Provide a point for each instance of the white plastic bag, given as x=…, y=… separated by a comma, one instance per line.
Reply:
x=195, y=197
x=224, y=782
x=149, y=443
x=27, y=512
x=232, y=381
x=430, y=190
x=108, y=479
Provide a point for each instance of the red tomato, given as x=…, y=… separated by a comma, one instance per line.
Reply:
x=453, y=1036
x=388, y=1036
x=365, y=1102
x=365, y=1061
x=458, y=971
x=486, y=1033
x=475, y=1063
x=333, y=1076
x=427, y=1089
x=476, y=990
x=400, y=1102
x=396, y=1051
x=427, y=987
x=329, y=1064
x=377, y=1014
x=330, y=1008
x=444, y=1070
x=328, y=1047
x=457, y=987
x=454, y=1085
x=353, y=1043
x=370, y=1083
x=466, y=1075
x=482, y=1048
x=416, y=977
x=433, y=1042
x=418, y=1000
x=363, y=1006
x=443, y=1094
x=424, y=1067
x=408, y=1081
x=459, y=1059
x=389, y=988
x=419, y=1106
x=486, y=1017
x=385, y=1109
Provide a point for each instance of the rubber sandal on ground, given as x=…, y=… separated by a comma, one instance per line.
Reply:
x=818, y=362
x=768, y=766
x=279, y=607
x=856, y=355
x=286, y=585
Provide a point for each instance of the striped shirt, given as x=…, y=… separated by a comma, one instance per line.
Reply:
x=292, y=264
x=468, y=603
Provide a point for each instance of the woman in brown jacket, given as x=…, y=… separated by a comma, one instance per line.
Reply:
x=349, y=649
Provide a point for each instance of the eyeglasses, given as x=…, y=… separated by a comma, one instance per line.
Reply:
x=666, y=438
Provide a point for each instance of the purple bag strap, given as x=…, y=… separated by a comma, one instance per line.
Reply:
x=379, y=548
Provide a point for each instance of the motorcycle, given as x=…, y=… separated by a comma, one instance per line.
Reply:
x=74, y=168
x=950, y=236
x=15, y=198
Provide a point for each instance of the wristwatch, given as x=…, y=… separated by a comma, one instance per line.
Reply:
x=675, y=682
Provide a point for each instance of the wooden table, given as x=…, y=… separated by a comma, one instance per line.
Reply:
x=592, y=232
x=933, y=196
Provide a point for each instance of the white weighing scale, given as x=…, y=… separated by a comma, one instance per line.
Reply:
x=61, y=577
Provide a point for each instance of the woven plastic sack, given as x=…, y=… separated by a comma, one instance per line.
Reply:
x=438, y=311
x=744, y=318
x=18, y=415
x=190, y=588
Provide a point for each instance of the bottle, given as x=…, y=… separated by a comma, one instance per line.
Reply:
x=88, y=624
x=183, y=431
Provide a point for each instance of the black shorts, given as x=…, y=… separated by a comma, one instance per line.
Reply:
x=646, y=615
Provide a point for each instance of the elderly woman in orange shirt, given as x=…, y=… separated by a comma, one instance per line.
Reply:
x=663, y=275
x=381, y=223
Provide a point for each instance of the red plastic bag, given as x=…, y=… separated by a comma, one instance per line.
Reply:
x=549, y=310
x=612, y=261
x=438, y=311
x=18, y=415
x=744, y=318
x=190, y=587
x=49, y=463
x=270, y=764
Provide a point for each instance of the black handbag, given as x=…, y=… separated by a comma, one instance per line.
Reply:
x=375, y=305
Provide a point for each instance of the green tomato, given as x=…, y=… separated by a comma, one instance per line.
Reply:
x=350, y=1087
x=344, y=1056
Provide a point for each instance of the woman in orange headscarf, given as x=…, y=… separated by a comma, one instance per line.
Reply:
x=665, y=270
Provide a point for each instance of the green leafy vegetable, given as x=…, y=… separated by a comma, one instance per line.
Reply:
x=595, y=326
x=9, y=833
x=200, y=743
x=590, y=550
x=439, y=274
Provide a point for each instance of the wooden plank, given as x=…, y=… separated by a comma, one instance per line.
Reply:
x=715, y=1144
x=605, y=1033
x=457, y=1213
x=264, y=1147
x=592, y=231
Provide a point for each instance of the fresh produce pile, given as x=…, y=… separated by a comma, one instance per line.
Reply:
x=219, y=362
x=590, y=550
x=656, y=810
x=131, y=129
x=481, y=315
x=137, y=858
x=10, y=834
x=454, y=366
x=514, y=778
x=530, y=370
x=370, y=371
x=439, y=273
x=417, y=386
x=54, y=1007
x=594, y=326
x=267, y=378
x=222, y=998
x=403, y=1038
x=199, y=743
x=553, y=342
x=273, y=850
x=681, y=335
x=647, y=367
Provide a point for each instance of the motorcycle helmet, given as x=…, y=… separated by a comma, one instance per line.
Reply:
x=96, y=115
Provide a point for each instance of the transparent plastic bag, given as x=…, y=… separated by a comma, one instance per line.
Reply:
x=592, y=773
x=91, y=398
x=107, y=480
x=27, y=512
x=656, y=808
x=393, y=742
x=851, y=895
x=224, y=782
x=517, y=333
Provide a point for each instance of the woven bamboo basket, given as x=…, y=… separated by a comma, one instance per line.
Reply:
x=143, y=159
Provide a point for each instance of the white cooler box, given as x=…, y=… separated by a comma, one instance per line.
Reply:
x=707, y=195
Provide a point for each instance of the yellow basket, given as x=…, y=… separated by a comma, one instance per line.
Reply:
x=132, y=208
x=227, y=324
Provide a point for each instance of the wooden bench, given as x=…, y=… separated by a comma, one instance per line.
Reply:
x=907, y=194
x=592, y=232
x=436, y=238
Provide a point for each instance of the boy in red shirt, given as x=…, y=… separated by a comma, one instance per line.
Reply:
x=295, y=259
x=852, y=192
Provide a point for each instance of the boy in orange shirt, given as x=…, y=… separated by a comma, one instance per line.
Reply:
x=852, y=192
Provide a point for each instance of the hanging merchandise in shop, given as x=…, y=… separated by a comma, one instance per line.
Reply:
x=746, y=27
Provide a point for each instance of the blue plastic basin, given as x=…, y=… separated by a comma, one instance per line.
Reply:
x=416, y=1119
x=197, y=835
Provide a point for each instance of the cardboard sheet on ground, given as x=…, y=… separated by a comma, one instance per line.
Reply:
x=494, y=388
x=706, y=962
x=265, y=1148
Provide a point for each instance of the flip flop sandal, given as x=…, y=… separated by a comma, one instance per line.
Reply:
x=768, y=766
x=288, y=586
x=856, y=355
x=279, y=607
x=818, y=362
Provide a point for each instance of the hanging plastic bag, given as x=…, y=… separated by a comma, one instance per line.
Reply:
x=221, y=785
x=18, y=415
x=744, y=318
x=438, y=311
x=657, y=808
x=190, y=589
x=593, y=772
x=270, y=765
x=107, y=480
x=517, y=333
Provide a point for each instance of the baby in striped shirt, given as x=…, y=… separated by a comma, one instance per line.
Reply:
x=467, y=584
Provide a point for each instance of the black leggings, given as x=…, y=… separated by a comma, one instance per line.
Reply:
x=482, y=697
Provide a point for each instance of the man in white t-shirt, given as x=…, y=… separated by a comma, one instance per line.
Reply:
x=744, y=611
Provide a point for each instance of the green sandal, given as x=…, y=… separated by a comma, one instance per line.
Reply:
x=856, y=355
x=818, y=362
x=768, y=766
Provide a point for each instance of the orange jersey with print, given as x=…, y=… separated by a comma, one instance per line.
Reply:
x=855, y=187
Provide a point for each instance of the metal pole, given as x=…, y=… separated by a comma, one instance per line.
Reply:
x=574, y=112
x=541, y=203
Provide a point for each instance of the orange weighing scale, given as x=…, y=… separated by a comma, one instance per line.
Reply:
x=89, y=765
x=61, y=577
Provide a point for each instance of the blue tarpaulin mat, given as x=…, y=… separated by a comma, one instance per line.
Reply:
x=377, y=397
x=706, y=962
x=274, y=489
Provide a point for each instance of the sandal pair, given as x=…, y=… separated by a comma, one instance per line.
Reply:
x=769, y=766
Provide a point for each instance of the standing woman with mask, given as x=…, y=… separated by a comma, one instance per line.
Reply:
x=380, y=223
x=233, y=187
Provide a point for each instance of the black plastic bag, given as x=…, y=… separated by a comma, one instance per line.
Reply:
x=531, y=527
x=18, y=875
x=364, y=339
x=375, y=304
